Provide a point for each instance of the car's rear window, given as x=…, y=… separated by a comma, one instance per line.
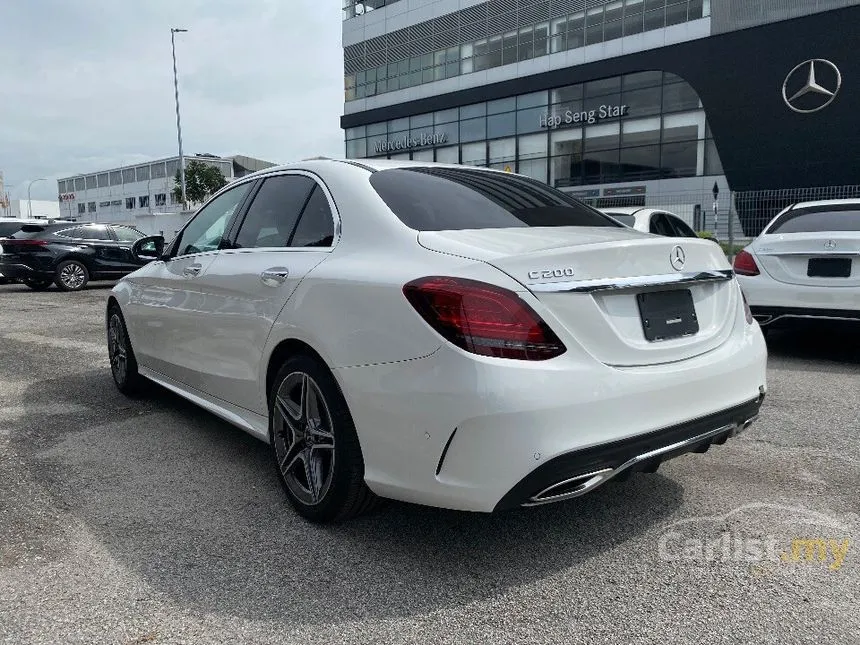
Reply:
x=7, y=228
x=818, y=220
x=444, y=199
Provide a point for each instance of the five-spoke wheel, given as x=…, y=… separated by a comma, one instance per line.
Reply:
x=314, y=443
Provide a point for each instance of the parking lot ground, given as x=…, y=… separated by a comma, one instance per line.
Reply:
x=151, y=521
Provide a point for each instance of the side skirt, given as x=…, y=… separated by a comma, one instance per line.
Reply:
x=252, y=423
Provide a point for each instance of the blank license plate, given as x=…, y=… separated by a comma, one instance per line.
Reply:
x=829, y=268
x=667, y=314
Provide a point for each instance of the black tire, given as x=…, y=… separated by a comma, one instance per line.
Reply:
x=71, y=275
x=338, y=471
x=38, y=285
x=123, y=364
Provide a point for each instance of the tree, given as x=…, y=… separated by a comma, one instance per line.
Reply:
x=201, y=180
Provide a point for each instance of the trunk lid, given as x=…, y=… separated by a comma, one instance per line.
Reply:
x=589, y=279
x=796, y=258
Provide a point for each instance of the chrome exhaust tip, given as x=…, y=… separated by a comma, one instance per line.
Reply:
x=570, y=488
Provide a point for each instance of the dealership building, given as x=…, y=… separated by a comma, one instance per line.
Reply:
x=621, y=102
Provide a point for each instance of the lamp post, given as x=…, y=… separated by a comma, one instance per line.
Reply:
x=29, y=200
x=174, y=31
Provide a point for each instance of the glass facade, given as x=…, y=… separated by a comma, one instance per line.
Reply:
x=643, y=126
x=381, y=64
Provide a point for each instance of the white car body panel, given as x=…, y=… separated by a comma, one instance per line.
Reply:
x=210, y=338
x=783, y=285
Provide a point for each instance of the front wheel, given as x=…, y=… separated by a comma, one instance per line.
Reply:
x=123, y=364
x=315, y=447
x=71, y=275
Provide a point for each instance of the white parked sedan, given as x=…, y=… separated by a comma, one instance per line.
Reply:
x=652, y=220
x=451, y=336
x=805, y=264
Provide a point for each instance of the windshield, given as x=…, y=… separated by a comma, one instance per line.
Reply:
x=444, y=199
x=818, y=220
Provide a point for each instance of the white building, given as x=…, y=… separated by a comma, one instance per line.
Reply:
x=141, y=194
x=38, y=208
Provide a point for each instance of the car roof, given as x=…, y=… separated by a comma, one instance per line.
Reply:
x=827, y=202
x=371, y=165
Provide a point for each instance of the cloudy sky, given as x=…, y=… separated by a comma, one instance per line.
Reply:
x=87, y=85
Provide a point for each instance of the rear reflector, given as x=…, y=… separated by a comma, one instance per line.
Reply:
x=483, y=319
x=744, y=264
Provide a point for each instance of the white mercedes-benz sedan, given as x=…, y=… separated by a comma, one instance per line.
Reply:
x=445, y=335
x=805, y=264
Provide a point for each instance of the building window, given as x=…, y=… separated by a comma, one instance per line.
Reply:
x=82, y=208
x=129, y=203
x=80, y=184
x=519, y=41
x=160, y=199
x=116, y=178
x=157, y=170
x=92, y=182
x=142, y=173
x=91, y=207
x=642, y=126
x=104, y=180
x=143, y=201
x=128, y=176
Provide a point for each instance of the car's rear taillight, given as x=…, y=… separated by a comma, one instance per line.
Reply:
x=744, y=264
x=13, y=242
x=483, y=319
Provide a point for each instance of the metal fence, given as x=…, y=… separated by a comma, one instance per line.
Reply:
x=739, y=216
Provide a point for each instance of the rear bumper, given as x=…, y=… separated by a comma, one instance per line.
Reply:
x=464, y=432
x=577, y=473
x=769, y=315
x=18, y=271
x=769, y=298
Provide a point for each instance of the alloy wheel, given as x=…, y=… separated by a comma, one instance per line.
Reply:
x=72, y=275
x=303, y=438
x=116, y=348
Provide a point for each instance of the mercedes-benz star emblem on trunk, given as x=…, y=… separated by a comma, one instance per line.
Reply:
x=678, y=258
x=811, y=86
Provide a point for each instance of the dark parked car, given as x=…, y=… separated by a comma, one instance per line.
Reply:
x=69, y=255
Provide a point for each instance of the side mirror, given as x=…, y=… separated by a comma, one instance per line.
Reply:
x=147, y=249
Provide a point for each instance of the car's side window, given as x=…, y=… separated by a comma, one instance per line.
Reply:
x=316, y=225
x=73, y=233
x=680, y=226
x=206, y=230
x=125, y=234
x=94, y=233
x=658, y=225
x=272, y=216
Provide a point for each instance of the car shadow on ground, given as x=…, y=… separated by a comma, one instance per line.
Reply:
x=816, y=340
x=193, y=506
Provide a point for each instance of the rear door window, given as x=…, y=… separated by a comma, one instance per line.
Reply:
x=7, y=228
x=680, y=226
x=127, y=234
x=818, y=220
x=316, y=226
x=272, y=216
x=443, y=199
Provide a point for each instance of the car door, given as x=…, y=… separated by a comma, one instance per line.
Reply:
x=104, y=251
x=168, y=307
x=125, y=236
x=287, y=230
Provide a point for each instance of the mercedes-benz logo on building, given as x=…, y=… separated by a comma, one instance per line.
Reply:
x=678, y=258
x=811, y=86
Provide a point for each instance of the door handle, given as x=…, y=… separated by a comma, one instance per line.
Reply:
x=274, y=276
x=192, y=270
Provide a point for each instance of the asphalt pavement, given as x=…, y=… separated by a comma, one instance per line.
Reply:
x=151, y=521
